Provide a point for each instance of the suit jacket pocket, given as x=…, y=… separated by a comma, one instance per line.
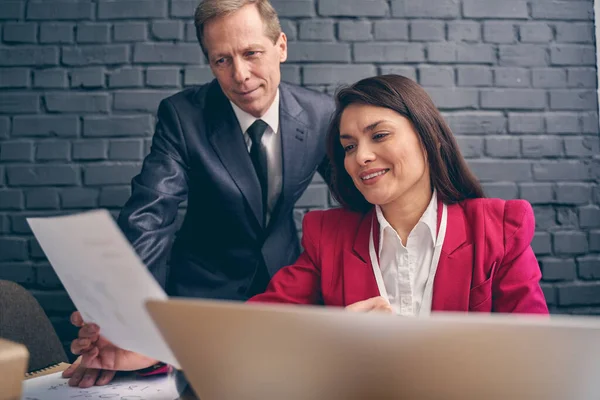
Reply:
x=480, y=296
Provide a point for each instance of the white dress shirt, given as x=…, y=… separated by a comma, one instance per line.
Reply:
x=271, y=140
x=405, y=270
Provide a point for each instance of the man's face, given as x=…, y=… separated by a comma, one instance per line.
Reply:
x=244, y=60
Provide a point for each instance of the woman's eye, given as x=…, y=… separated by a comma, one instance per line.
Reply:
x=348, y=147
x=378, y=136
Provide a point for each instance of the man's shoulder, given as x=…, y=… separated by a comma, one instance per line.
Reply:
x=310, y=100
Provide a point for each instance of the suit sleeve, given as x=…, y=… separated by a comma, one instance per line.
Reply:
x=149, y=218
x=516, y=287
x=299, y=283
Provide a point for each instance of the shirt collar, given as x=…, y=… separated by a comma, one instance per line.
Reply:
x=429, y=218
x=271, y=117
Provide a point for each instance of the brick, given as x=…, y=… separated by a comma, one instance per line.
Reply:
x=570, y=242
x=573, y=193
x=454, y=98
x=132, y=9
x=314, y=196
x=113, y=174
x=35, y=250
x=126, y=78
x=464, y=31
x=19, y=225
x=513, y=98
x=511, y=77
x=163, y=77
x=16, y=151
x=566, y=170
x=522, y=55
x=537, y=193
x=47, y=278
x=336, y=74
x=92, y=77
x=93, y=33
x=535, y=32
x=183, y=8
x=562, y=10
x=317, y=30
x=353, y=8
x=19, y=272
x=50, y=79
x=470, y=147
x=167, y=30
x=11, y=199
x=502, y=147
x=79, y=197
x=60, y=10
x=143, y=100
x=294, y=8
x=572, y=54
x=176, y=53
x=42, y=199
x=589, y=122
x=474, y=75
x=436, y=76
x=548, y=78
x=77, y=102
x=426, y=9
x=13, y=249
x=561, y=122
x=28, y=56
x=588, y=267
x=499, y=32
x=117, y=125
x=557, y=269
x=126, y=150
x=114, y=196
x=581, y=147
x=391, y=30
x=55, y=301
x=476, y=122
x=573, y=99
x=538, y=147
x=567, y=218
x=319, y=52
x=289, y=27
x=15, y=78
x=4, y=127
x=63, y=175
x=492, y=170
x=595, y=241
x=53, y=151
x=19, y=103
x=475, y=53
x=46, y=125
x=441, y=52
x=578, y=294
x=427, y=31
x=550, y=293
x=12, y=10
x=89, y=150
x=190, y=30
x=51, y=32
x=541, y=243
x=409, y=72
x=575, y=32
x=582, y=78
x=589, y=217
x=19, y=32
x=95, y=55
x=290, y=73
x=130, y=31
x=357, y=31
x=199, y=75
x=505, y=191
x=4, y=224
x=514, y=9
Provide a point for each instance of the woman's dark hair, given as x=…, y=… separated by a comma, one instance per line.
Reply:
x=450, y=175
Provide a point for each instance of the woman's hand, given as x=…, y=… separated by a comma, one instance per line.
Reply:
x=374, y=304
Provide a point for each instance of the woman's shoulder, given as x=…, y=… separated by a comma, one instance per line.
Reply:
x=333, y=219
x=512, y=215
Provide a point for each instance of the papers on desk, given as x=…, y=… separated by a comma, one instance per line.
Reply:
x=54, y=387
x=105, y=278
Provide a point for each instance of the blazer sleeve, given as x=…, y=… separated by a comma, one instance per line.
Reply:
x=149, y=217
x=516, y=287
x=299, y=283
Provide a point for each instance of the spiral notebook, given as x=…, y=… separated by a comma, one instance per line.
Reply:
x=50, y=369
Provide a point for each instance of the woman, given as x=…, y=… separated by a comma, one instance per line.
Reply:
x=415, y=228
x=414, y=234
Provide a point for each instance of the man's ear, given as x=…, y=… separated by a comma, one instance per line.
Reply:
x=282, y=44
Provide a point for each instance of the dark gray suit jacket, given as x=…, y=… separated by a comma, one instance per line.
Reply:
x=198, y=154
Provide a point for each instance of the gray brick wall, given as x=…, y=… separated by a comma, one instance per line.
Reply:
x=516, y=79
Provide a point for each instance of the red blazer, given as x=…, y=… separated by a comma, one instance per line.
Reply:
x=486, y=263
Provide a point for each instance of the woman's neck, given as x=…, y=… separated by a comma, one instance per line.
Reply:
x=404, y=213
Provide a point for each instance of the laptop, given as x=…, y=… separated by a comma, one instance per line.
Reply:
x=249, y=351
x=13, y=365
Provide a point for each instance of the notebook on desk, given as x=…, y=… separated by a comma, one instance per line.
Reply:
x=249, y=351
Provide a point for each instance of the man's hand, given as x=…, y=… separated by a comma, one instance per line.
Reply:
x=87, y=377
x=374, y=304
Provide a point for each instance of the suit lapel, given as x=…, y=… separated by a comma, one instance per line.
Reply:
x=227, y=140
x=455, y=268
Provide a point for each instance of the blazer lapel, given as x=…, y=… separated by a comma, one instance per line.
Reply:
x=359, y=280
x=455, y=268
x=227, y=139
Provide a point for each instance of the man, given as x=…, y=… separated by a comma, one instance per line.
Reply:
x=240, y=150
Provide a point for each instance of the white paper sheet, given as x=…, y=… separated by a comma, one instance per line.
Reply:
x=54, y=387
x=105, y=278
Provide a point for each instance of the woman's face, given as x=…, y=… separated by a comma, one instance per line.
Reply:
x=383, y=154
